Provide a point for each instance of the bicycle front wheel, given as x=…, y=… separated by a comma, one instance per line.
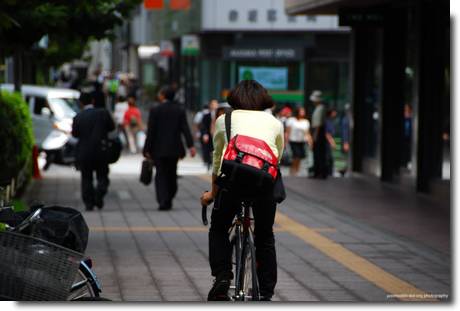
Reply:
x=82, y=287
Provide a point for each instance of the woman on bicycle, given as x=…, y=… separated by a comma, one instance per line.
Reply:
x=249, y=100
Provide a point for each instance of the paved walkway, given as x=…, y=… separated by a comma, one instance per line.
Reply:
x=324, y=254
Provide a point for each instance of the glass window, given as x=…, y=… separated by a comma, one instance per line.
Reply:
x=40, y=103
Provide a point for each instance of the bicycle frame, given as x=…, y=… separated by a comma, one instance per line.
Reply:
x=243, y=244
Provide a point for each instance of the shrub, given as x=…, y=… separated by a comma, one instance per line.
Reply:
x=16, y=135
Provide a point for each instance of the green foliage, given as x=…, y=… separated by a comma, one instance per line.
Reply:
x=16, y=134
x=24, y=23
x=20, y=206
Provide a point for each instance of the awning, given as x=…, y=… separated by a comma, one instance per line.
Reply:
x=325, y=7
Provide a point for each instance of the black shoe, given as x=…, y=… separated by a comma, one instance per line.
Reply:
x=265, y=298
x=99, y=200
x=219, y=290
x=100, y=204
x=164, y=208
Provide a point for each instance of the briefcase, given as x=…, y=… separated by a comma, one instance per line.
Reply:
x=146, y=172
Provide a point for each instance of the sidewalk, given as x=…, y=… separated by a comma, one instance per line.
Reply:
x=384, y=206
x=324, y=253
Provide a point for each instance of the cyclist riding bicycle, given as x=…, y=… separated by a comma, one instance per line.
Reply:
x=249, y=101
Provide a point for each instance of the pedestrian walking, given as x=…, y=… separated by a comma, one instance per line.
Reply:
x=91, y=126
x=249, y=100
x=330, y=146
x=132, y=124
x=205, y=127
x=167, y=124
x=407, y=137
x=298, y=135
x=319, y=136
x=119, y=115
x=345, y=129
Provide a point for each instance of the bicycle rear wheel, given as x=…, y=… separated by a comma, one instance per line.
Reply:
x=237, y=244
x=249, y=281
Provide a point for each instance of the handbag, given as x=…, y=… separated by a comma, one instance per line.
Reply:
x=111, y=149
x=146, y=172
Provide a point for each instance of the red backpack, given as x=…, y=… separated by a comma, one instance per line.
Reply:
x=249, y=166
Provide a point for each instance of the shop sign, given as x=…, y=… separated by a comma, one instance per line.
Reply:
x=354, y=17
x=190, y=45
x=235, y=53
x=166, y=48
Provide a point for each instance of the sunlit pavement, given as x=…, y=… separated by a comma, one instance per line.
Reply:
x=326, y=251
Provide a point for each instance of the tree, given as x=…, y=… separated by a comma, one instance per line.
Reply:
x=24, y=22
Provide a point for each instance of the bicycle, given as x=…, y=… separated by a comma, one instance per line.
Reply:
x=18, y=247
x=246, y=285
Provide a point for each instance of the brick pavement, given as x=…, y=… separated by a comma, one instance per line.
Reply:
x=142, y=254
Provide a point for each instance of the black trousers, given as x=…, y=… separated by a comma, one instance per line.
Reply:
x=94, y=195
x=220, y=249
x=320, y=159
x=166, y=180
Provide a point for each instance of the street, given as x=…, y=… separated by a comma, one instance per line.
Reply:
x=324, y=254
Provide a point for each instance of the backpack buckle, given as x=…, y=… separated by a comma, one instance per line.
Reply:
x=266, y=166
x=239, y=157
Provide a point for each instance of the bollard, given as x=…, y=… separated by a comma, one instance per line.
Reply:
x=36, y=168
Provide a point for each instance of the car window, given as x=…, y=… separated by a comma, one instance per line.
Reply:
x=40, y=103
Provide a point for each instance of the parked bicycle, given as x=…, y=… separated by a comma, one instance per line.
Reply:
x=245, y=286
x=32, y=268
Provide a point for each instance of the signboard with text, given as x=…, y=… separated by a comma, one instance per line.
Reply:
x=262, y=54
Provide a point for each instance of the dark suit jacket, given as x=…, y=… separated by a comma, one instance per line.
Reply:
x=90, y=126
x=166, y=125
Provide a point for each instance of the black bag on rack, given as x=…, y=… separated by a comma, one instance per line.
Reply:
x=64, y=226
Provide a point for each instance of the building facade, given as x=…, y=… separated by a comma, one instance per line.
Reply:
x=400, y=86
x=291, y=56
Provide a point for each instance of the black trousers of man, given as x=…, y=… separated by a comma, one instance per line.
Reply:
x=166, y=181
x=94, y=196
x=320, y=158
x=220, y=248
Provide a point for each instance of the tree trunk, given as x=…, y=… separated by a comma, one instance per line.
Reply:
x=17, y=67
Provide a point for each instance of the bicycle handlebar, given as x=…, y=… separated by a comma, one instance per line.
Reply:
x=204, y=216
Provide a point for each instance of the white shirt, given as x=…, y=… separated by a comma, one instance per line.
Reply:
x=299, y=129
x=119, y=112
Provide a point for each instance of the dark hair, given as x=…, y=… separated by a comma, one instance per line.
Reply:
x=249, y=95
x=297, y=111
x=168, y=92
x=86, y=98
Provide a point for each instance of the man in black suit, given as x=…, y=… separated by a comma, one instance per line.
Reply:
x=167, y=123
x=91, y=126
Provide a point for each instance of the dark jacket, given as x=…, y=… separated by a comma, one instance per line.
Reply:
x=91, y=126
x=167, y=123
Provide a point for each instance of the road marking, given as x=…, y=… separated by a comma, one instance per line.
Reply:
x=361, y=266
x=178, y=229
x=393, y=285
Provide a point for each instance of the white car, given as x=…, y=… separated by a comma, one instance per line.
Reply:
x=52, y=111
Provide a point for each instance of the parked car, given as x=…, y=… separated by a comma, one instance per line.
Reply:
x=52, y=111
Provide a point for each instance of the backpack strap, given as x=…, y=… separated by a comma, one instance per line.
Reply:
x=228, y=124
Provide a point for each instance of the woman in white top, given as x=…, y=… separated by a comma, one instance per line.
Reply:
x=249, y=100
x=298, y=134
